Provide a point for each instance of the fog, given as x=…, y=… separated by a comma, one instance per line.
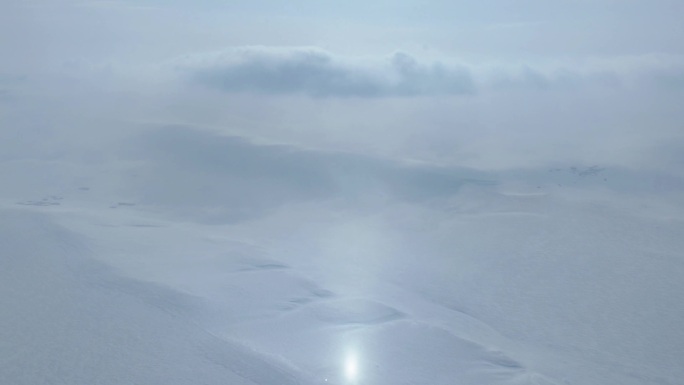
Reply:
x=308, y=193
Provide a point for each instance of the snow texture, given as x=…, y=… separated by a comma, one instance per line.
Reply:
x=356, y=271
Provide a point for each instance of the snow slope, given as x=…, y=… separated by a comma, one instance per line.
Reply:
x=177, y=264
x=69, y=320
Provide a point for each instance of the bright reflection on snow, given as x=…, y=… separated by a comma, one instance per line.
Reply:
x=351, y=367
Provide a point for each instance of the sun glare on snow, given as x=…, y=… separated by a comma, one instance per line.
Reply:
x=351, y=367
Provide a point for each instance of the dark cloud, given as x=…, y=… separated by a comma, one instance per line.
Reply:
x=319, y=74
x=8, y=86
x=669, y=78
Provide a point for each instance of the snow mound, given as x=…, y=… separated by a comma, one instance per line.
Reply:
x=66, y=318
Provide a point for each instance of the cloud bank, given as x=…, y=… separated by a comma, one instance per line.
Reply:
x=320, y=74
x=317, y=73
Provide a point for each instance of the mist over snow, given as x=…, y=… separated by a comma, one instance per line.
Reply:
x=356, y=194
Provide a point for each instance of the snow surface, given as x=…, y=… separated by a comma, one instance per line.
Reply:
x=278, y=265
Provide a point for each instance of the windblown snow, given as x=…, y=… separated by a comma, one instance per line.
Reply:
x=206, y=259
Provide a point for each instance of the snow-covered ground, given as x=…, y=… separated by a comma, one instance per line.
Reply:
x=186, y=257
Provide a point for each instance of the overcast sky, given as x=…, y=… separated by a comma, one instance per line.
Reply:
x=488, y=84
